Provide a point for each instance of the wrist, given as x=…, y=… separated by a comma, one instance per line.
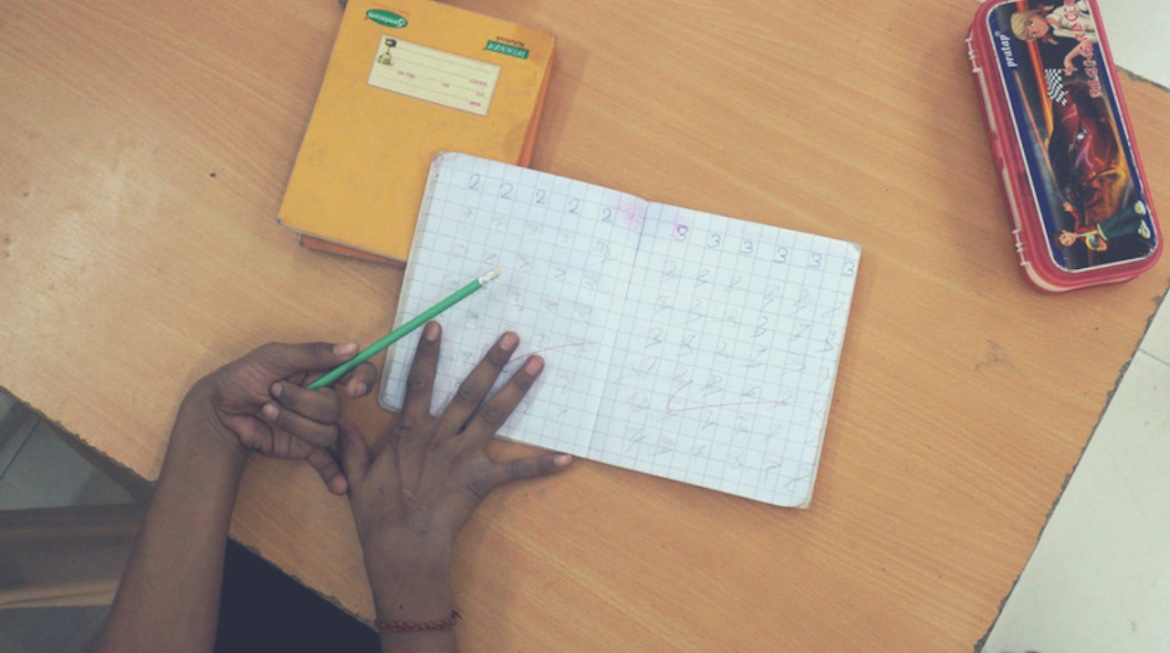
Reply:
x=198, y=426
x=415, y=595
x=406, y=566
x=411, y=585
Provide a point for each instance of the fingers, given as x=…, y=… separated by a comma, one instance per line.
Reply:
x=516, y=470
x=306, y=414
x=496, y=412
x=360, y=381
x=475, y=387
x=287, y=360
x=416, y=405
x=326, y=465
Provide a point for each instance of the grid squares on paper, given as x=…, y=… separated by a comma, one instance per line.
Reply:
x=728, y=352
x=678, y=343
x=565, y=262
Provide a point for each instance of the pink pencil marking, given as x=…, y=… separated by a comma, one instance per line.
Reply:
x=516, y=360
x=671, y=409
x=626, y=213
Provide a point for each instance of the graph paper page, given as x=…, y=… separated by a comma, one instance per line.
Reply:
x=566, y=250
x=682, y=344
x=727, y=355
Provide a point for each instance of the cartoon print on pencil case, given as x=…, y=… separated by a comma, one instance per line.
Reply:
x=1083, y=167
x=1129, y=221
x=387, y=58
x=1069, y=30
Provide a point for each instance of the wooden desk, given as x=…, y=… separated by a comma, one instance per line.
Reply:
x=145, y=151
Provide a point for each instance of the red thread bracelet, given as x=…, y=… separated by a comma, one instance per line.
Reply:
x=417, y=626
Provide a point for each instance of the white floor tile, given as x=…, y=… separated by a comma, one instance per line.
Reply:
x=6, y=403
x=1139, y=31
x=1157, y=340
x=15, y=435
x=1099, y=579
x=48, y=473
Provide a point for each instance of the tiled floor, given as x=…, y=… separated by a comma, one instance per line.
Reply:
x=44, y=472
x=1099, y=579
x=39, y=470
x=261, y=608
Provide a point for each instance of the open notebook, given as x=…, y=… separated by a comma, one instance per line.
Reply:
x=678, y=343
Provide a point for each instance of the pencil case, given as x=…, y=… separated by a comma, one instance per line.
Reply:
x=1060, y=136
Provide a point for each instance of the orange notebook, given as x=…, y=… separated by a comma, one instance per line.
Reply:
x=408, y=79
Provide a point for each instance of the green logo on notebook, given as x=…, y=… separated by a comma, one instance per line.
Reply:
x=387, y=18
x=504, y=48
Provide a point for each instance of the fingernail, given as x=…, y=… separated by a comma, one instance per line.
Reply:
x=431, y=331
x=348, y=349
x=563, y=460
x=508, y=341
x=270, y=411
x=360, y=389
x=277, y=388
x=534, y=365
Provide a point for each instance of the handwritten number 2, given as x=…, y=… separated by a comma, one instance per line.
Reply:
x=506, y=191
x=474, y=183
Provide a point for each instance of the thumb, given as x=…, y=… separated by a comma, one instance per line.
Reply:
x=519, y=469
x=328, y=468
x=287, y=360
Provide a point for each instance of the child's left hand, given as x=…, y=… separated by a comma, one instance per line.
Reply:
x=257, y=403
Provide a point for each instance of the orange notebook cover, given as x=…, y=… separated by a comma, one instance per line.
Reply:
x=408, y=79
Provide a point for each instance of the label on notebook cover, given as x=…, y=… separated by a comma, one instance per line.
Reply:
x=504, y=48
x=1078, y=154
x=387, y=18
x=434, y=76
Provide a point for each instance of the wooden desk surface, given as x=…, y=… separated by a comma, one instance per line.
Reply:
x=145, y=150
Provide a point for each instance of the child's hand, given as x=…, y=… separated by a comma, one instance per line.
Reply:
x=413, y=494
x=257, y=403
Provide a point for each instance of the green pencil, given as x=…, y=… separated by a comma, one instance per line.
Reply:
x=397, y=334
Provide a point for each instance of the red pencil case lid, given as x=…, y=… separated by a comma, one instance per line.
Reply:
x=1060, y=135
